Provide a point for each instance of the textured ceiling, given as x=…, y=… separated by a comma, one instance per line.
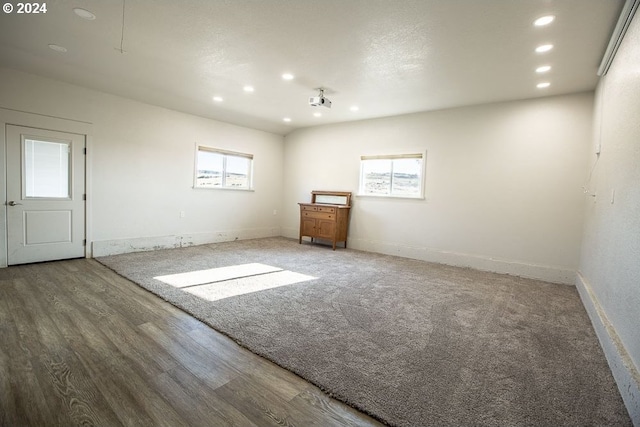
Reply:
x=387, y=57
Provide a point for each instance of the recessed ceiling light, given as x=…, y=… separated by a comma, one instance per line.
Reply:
x=544, y=48
x=84, y=14
x=543, y=69
x=286, y=119
x=287, y=76
x=544, y=20
x=57, y=48
x=354, y=108
x=317, y=114
x=218, y=99
x=543, y=85
x=248, y=88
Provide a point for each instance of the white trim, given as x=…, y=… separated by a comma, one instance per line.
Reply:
x=3, y=192
x=624, y=371
x=626, y=16
x=144, y=244
x=548, y=273
x=387, y=196
x=88, y=189
x=250, y=190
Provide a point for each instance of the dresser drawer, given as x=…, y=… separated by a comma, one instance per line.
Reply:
x=329, y=209
x=309, y=208
x=318, y=215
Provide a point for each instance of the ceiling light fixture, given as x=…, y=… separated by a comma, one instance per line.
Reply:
x=57, y=48
x=84, y=14
x=543, y=85
x=544, y=20
x=287, y=76
x=218, y=99
x=317, y=114
x=544, y=48
x=543, y=69
x=354, y=108
x=248, y=89
x=286, y=119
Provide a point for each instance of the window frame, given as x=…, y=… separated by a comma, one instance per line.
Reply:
x=225, y=154
x=408, y=154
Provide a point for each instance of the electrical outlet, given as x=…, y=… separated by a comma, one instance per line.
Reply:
x=598, y=148
x=182, y=214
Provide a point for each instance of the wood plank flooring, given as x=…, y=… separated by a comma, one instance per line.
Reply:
x=80, y=345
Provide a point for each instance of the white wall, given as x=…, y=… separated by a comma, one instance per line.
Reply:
x=141, y=168
x=609, y=271
x=503, y=184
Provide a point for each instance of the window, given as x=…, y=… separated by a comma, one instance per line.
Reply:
x=392, y=175
x=223, y=169
x=46, y=168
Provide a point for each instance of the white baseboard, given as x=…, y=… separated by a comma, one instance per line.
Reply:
x=547, y=273
x=142, y=244
x=624, y=371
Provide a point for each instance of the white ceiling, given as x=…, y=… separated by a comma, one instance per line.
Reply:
x=388, y=57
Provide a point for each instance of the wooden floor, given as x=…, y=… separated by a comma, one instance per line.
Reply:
x=80, y=345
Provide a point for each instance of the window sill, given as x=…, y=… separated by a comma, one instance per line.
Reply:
x=388, y=196
x=250, y=190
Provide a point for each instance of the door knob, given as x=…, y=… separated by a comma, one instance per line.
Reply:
x=12, y=203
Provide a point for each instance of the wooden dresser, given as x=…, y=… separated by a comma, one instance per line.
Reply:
x=326, y=217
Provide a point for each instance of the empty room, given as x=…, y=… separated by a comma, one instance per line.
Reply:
x=330, y=213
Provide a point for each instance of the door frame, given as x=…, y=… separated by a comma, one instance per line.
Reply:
x=41, y=121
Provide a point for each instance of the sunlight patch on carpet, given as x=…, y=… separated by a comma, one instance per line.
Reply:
x=245, y=285
x=200, y=277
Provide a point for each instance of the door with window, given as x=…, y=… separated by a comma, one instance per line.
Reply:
x=45, y=195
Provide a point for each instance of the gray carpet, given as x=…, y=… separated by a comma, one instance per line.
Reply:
x=409, y=342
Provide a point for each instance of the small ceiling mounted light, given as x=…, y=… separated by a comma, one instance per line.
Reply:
x=286, y=119
x=248, y=89
x=543, y=85
x=84, y=14
x=218, y=99
x=544, y=48
x=354, y=108
x=57, y=48
x=317, y=114
x=287, y=76
x=543, y=69
x=544, y=20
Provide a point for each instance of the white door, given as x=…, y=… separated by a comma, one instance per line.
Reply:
x=45, y=195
